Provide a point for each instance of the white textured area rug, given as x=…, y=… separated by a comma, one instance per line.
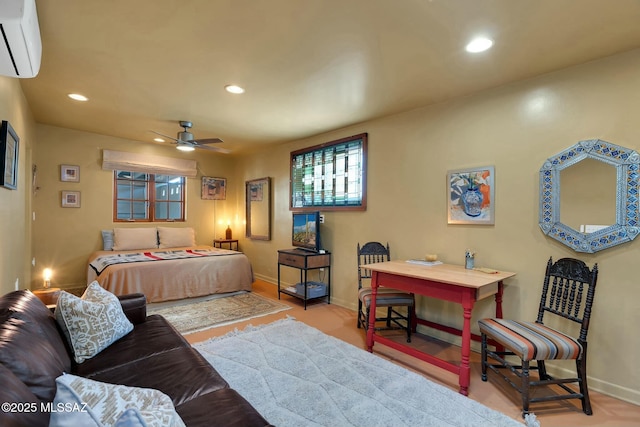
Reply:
x=295, y=375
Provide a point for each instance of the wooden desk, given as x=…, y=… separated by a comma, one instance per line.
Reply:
x=217, y=243
x=446, y=282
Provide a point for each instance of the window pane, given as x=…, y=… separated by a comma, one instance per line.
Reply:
x=162, y=191
x=174, y=192
x=123, y=209
x=175, y=210
x=139, y=190
x=139, y=210
x=161, y=210
x=140, y=176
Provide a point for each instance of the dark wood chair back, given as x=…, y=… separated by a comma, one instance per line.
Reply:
x=568, y=291
x=369, y=253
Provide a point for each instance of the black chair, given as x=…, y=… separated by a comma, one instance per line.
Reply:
x=567, y=292
x=373, y=252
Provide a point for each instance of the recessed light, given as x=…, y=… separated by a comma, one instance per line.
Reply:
x=233, y=89
x=158, y=139
x=78, y=97
x=479, y=44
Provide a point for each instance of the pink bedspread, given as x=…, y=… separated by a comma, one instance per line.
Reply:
x=164, y=280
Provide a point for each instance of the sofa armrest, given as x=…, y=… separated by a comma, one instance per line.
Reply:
x=134, y=307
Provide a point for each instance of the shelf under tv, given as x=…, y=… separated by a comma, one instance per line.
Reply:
x=304, y=260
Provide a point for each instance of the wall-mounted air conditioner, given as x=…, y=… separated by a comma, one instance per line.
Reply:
x=20, y=44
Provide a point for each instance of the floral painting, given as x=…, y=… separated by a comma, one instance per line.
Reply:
x=471, y=198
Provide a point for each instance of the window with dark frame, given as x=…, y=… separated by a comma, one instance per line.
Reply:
x=330, y=176
x=145, y=197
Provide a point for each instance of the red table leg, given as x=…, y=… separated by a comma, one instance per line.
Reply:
x=372, y=311
x=465, y=370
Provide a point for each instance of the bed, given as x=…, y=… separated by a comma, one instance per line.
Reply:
x=166, y=271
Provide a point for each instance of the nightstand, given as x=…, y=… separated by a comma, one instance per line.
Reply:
x=217, y=243
x=49, y=296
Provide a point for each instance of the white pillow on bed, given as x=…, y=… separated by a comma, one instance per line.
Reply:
x=173, y=237
x=135, y=238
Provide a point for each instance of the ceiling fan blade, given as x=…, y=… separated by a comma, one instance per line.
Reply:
x=208, y=140
x=166, y=136
x=218, y=149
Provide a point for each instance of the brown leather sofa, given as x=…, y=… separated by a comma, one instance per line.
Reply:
x=33, y=353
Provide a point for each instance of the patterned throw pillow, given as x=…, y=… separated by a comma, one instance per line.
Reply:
x=91, y=323
x=84, y=402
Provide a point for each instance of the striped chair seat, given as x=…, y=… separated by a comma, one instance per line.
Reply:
x=531, y=341
x=386, y=297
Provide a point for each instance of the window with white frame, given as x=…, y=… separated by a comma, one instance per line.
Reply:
x=330, y=176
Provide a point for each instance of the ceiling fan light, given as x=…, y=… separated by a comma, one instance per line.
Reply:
x=184, y=147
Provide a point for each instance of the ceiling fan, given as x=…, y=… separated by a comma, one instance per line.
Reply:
x=186, y=142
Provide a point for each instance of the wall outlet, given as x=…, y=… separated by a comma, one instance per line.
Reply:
x=321, y=219
x=17, y=283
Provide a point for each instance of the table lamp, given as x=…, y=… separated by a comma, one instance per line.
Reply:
x=46, y=275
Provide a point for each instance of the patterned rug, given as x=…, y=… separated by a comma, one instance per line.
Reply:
x=193, y=316
x=295, y=375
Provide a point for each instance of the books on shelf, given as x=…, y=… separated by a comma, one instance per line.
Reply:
x=423, y=262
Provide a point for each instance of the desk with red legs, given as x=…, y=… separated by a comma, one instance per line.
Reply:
x=447, y=282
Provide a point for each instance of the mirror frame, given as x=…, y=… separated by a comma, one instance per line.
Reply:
x=626, y=228
x=265, y=197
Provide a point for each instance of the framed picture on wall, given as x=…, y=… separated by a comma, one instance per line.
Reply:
x=9, y=149
x=69, y=173
x=70, y=199
x=214, y=188
x=471, y=196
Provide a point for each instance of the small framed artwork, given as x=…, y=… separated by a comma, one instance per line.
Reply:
x=9, y=149
x=69, y=173
x=70, y=199
x=214, y=188
x=471, y=196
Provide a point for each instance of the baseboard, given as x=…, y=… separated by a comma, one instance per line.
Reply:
x=265, y=278
x=614, y=390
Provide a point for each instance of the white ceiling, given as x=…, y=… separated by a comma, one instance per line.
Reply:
x=308, y=66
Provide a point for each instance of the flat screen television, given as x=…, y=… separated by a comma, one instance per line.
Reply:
x=306, y=230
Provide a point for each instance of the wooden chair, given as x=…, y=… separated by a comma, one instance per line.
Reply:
x=373, y=252
x=567, y=292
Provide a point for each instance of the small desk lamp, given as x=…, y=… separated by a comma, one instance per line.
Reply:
x=46, y=275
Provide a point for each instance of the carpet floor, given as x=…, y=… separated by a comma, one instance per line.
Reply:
x=193, y=316
x=295, y=375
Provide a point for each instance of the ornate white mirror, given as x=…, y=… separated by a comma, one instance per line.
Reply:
x=259, y=209
x=599, y=197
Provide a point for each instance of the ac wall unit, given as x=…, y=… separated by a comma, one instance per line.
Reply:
x=20, y=44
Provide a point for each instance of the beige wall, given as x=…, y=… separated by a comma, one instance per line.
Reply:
x=515, y=128
x=64, y=237
x=15, y=226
